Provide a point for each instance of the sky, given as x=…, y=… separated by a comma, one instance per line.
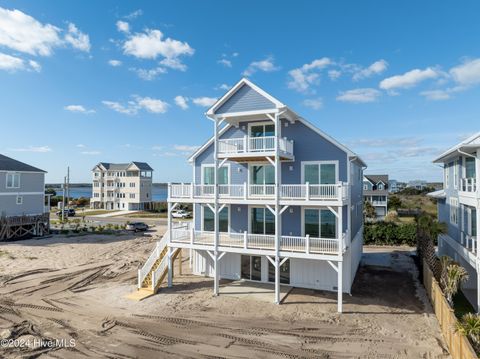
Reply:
x=119, y=81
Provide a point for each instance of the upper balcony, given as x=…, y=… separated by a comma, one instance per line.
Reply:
x=468, y=191
x=249, y=148
x=289, y=193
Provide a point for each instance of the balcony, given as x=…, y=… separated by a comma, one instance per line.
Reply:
x=288, y=192
x=468, y=185
x=245, y=241
x=254, y=148
x=379, y=203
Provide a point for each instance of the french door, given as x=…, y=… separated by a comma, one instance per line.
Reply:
x=320, y=223
x=262, y=221
x=262, y=180
x=262, y=137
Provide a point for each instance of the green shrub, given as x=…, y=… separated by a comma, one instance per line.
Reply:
x=389, y=233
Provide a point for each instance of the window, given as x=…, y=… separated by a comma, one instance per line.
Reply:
x=262, y=221
x=13, y=180
x=19, y=200
x=470, y=167
x=365, y=187
x=132, y=195
x=320, y=173
x=209, y=219
x=473, y=221
x=262, y=179
x=262, y=130
x=320, y=223
x=454, y=211
x=208, y=176
x=380, y=186
x=132, y=184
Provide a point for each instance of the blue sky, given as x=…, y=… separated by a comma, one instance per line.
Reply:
x=89, y=81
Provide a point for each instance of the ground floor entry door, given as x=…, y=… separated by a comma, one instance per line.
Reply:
x=251, y=267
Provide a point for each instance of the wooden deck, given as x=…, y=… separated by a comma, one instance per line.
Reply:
x=18, y=227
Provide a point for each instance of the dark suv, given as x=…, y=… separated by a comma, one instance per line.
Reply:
x=68, y=212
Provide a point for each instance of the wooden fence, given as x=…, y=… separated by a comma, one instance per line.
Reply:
x=458, y=344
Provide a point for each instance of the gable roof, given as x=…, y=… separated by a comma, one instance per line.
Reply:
x=240, y=89
x=142, y=166
x=279, y=105
x=10, y=164
x=375, y=179
x=471, y=143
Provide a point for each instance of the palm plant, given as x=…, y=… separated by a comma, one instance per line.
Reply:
x=469, y=326
x=455, y=275
x=445, y=261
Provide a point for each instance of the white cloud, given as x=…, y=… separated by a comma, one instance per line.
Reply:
x=436, y=95
x=224, y=87
x=185, y=148
x=374, y=69
x=266, y=65
x=157, y=148
x=181, y=102
x=174, y=63
x=90, y=153
x=78, y=109
x=467, y=74
x=80, y=145
x=134, y=14
x=149, y=74
x=334, y=74
x=361, y=95
x=23, y=33
x=114, y=63
x=39, y=149
x=77, y=39
x=152, y=105
x=315, y=103
x=303, y=77
x=151, y=44
x=204, y=101
x=225, y=62
x=386, y=142
x=12, y=64
x=123, y=26
x=132, y=107
x=408, y=79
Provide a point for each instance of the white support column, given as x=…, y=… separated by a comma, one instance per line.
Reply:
x=216, y=210
x=278, y=216
x=170, y=267
x=340, y=229
x=340, y=287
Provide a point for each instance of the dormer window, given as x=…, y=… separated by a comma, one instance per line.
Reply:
x=380, y=186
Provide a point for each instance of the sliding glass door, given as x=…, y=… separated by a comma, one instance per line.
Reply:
x=209, y=220
x=262, y=137
x=251, y=267
x=262, y=180
x=262, y=221
x=284, y=272
x=320, y=223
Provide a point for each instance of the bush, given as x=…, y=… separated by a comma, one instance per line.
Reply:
x=392, y=216
x=388, y=233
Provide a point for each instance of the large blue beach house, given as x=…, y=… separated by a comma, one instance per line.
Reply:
x=276, y=200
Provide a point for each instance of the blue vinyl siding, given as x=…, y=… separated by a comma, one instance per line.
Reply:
x=245, y=99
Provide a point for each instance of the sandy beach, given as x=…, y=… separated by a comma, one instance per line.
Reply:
x=73, y=290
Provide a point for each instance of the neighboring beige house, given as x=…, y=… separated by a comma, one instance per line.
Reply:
x=122, y=186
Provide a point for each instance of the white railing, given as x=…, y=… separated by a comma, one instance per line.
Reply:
x=468, y=185
x=178, y=233
x=157, y=273
x=307, y=191
x=246, y=144
x=378, y=203
x=261, y=190
x=306, y=244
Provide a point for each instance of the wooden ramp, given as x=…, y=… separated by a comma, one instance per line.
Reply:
x=140, y=294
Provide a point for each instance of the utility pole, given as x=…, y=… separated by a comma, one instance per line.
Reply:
x=68, y=187
x=63, y=201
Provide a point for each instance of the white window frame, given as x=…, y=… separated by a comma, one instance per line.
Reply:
x=202, y=212
x=17, y=200
x=303, y=163
x=382, y=186
x=250, y=218
x=212, y=165
x=250, y=165
x=14, y=174
x=260, y=123
x=447, y=175
x=454, y=211
x=320, y=219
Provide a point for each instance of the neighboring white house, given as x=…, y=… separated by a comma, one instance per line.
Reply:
x=417, y=184
x=122, y=186
x=459, y=207
x=22, y=196
x=276, y=200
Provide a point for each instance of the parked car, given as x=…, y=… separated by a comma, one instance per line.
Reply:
x=137, y=227
x=180, y=214
x=70, y=212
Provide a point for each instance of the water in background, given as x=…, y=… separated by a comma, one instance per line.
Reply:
x=159, y=192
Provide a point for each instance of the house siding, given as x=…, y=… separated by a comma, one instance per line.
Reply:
x=245, y=99
x=30, y=182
